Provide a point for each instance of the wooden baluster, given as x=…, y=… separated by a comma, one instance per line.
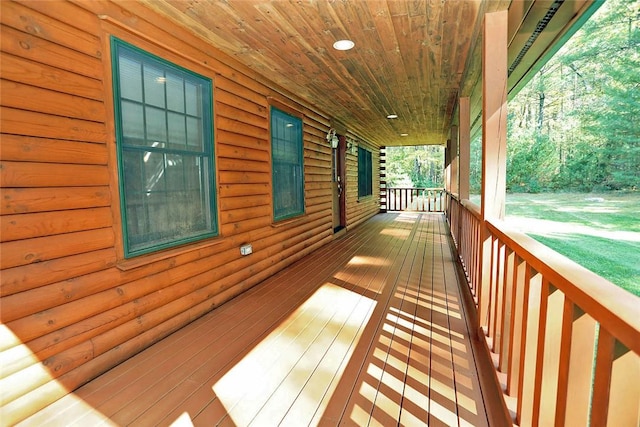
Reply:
x=624, y=392
x=539, y=351
x=575, y=366
x=472, y=253
x=602, y=380
x=549, y=356
x=507, y=310
x=413, y=199
x=527, y=350
x=518, y=320
x=616, y=389
x=477, y=267
x=497, y=265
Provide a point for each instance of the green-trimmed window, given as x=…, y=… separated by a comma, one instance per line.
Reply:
x=287, y=163
x=365, y=173
x=164, y=133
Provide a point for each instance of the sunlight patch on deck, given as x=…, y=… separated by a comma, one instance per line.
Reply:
x=59, y=402
x=416, y=322
x=407, y=217
x=555, y=229
x=396, y=232
x=184, y=420
x=401, y=387
x=295, y=369
x=368, y=260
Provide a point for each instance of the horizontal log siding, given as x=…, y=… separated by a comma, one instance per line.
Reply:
x=359, y=210
x=71, y=309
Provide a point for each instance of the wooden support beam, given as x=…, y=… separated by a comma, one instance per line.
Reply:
x=464, y=143
x=494, y=114
x=494, y=139
x=453, y=159
x=447, y=166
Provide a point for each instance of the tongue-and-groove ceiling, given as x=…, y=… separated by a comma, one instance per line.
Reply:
x=412, y=58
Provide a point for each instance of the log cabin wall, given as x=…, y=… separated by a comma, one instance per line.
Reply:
x=359, y=209
x=72, y=306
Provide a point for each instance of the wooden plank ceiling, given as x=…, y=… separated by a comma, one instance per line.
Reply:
x=412, y=58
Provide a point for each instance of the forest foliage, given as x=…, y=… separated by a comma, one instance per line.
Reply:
x=415, y=166
x=575, y=126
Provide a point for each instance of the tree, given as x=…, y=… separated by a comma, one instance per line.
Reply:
x=575, y=125
x=415, y=166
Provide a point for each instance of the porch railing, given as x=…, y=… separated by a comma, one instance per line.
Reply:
x=565, y=342
x=414, y=199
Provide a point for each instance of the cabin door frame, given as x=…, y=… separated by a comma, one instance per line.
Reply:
x=338, y=184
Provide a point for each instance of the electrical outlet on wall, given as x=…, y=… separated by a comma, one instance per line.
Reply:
x=246, y=249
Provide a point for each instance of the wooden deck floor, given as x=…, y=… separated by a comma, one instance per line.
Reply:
x=368, y=330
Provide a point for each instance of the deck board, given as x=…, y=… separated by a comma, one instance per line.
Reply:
x=368, y=330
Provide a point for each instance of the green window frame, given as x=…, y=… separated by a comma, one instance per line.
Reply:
x=365, y=173
x=164, y=137
x=287, y=162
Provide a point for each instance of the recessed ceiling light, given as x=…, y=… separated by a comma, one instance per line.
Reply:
x=392, y=116
x=343, y=45
x=404, y=134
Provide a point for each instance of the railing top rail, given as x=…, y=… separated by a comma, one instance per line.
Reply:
x=416, y=188
x=616, y=309
x=472, y=207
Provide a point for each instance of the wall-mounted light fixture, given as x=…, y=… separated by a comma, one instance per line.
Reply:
x=332, y=138
x=351, y=146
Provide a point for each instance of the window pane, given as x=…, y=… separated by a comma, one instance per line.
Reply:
x=135, y=195
x=194, y=133
x=192, y=98
x=174, y=169
x=193, y=173
x=177, y=130
x=288, y=173
x=153, y=172
x=132, y=118
x=167, y=192
x=131, y=79
x=156, y=125
x=365, y=173
x=175, y=93
x=153, y=86
x=174, y=202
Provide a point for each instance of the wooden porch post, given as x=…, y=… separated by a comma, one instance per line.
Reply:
x=464, y=143
x=453, y=159
x=494, y=143
x=447, y=166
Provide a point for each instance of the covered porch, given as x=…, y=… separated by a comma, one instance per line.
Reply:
x=371, y=329
x=379, y=321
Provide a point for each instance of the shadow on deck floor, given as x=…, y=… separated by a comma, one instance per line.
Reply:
x=368, y=330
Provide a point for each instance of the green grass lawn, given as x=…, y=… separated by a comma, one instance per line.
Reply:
x=598, y=231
